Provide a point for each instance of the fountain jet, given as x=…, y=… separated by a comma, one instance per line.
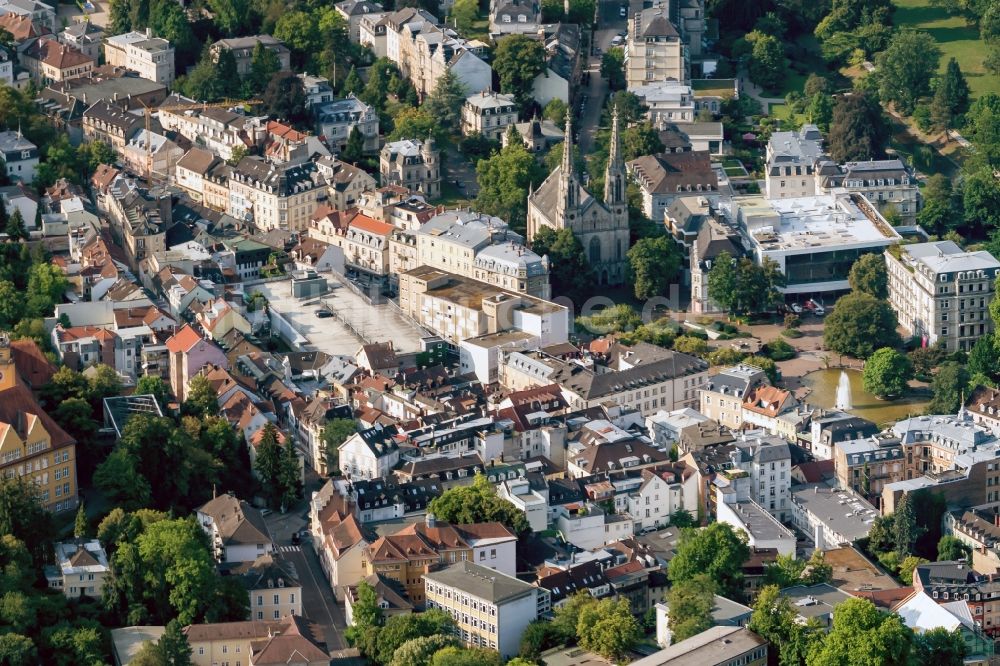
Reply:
x=844, y=392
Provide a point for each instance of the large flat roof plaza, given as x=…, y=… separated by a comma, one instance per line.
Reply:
x=376, y=323
x=814, y=240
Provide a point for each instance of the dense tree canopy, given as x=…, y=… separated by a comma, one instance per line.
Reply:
x=868, y=275
x=718, y=551
x=478, y=503
x=858, y=130
x=518, y=59
x=906, y=68
x=887, y=372
x=860, y=324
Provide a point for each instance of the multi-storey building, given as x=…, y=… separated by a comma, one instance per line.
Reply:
x=768, y=461
x=243, y=48
x=219, y=130
x=714, y=239
x=888, y=184
x=275, y=196
x=257, y=643
x=237, y=531
x=491, y=610
x=366, y=245
x=483, y=248
x=489, y=114
x=335, y=120
x=354, y=11
x=110, y=123
x=514, y=17
x=868, y=465
x=408, y=554
x=150, y=57
x=721, y=398
x=80, y=569
x=273, y=586
x=412, y=164
x=85, y=36
x=189, y=353
x=345, y=183
x=654, y=48
x=50, y=61
x=458, y=308
x=792, y=159
x=32, y=446
x=19, y=157
x=667, y=177
x=941, y=293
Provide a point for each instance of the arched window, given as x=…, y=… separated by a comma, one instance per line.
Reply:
x=595, y=250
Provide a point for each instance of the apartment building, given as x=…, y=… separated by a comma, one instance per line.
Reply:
x=721, y=398
x=335, y=120
x=80, y=569
x=192, y=169
x=514, y=17
x=718, y=646
x=216, y=129
x=366, y=245
x=668, y=101
x=888, y=184
x=147, y=154
x=243, y=48
x=491, y=610
x=85, y=36
x=791, y=162
x=346, y=183
x=354, y=11
x=33, y=446
x=768, y=461
x=489, y=114
x=942, y=293
x=19, y=157
x=189, y=353
x=236, y=530
x=713, y=239
x=371, y=453
x=272, y=585
x=654, y=49
x=484, y=248
x=867, y=465
x=668, y=177
x=412, y=164
x=150, y=57
x=257, y=643
x=37, y=12
x=457, y=308
x=110, y=123
x=50, y=61
x=275, y=196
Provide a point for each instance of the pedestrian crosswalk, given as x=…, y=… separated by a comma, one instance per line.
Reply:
x=290, y=549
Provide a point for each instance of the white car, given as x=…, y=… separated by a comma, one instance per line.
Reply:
x=796, y=308
x=623, y=11
x=616, y=41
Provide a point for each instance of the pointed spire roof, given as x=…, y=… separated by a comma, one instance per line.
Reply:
x=614, y=150
x=567, y=157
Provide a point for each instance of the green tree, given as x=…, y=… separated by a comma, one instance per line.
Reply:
x=289, y=476
x=445, y=102
x=654, y=263
x=202, y=399
x=948, y=385
x=785, y=571
x=555, y=111
x=718, y=551
x=268, y=463
x=817, y=570
x=951, y=96
x=335, y=433
x=478, y=503
x=860, y=324
x=46, y=286
x=17, y=650
x=518, y=60
x=420, y=651
x=104, y=382
x=178, y=570
x=887, y=373
x=722, y=282
x=904, y=527
x=690, y=603
x=504, y=179
x=952, y=548
x=940, y=647
x=906, y=67
x=154, y=386
x=907, y=565
x=412, y=123
x=768, y=66
x=353, y=84
x=24, y=518
x=868, y=275
x=399, y=629
x=119, y=478
x=80, y=526
x=354, y=151
x=538, y=636
x=264, y=64
x=231, y=16
x=11, y=307
x=465, y=13
x=15, y=226
x=608, y=628
x=570, y=272
x=862, y=634
x=938, y=214
x=776, y=620
x=613, y=68
x=458, y=656
x=285, y=99
x=820, y=111
x=858, y=130
x=981, y=200
x=682, y=518
x=983, y=358
x=641, y=139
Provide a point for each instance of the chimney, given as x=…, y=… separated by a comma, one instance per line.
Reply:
x=996, y=518
x=430, y=520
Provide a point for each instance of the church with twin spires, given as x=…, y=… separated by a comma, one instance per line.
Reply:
x=561, y=202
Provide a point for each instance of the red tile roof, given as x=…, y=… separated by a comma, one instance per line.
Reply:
x=367, y=224
x=183, y=340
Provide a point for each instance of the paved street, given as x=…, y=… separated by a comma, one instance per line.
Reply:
x=457, y=167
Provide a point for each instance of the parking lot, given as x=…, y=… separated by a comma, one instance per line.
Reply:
x=354, y=323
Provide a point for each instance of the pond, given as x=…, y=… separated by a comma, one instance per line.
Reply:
x=823, y=393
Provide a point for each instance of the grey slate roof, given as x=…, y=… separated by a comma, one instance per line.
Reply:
x=480, y=582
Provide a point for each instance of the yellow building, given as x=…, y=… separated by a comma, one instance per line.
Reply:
x=32, y=445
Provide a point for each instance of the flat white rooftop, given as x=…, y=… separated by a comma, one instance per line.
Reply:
x=370, y=323
x=805, y=223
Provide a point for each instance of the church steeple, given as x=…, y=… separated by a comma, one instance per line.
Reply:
x=614, y=176
x=569, y=190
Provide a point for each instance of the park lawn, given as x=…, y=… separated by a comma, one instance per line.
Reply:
x=783, y=112
x=956, y=39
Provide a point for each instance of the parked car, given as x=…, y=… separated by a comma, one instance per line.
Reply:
x=616, y=41
x=296, y=539
x=623, y=11
x=796, y=308
x=324, y=314
x=816, y=308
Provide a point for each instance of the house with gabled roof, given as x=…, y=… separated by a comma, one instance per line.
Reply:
x=189, y=353
x=237, y=531
x=80, y=568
